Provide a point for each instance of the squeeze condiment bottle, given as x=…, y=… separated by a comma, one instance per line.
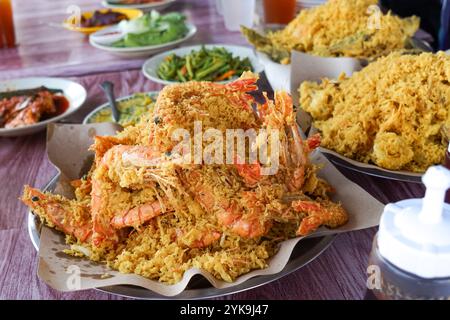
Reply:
x=447, y=157
x=447, y=165
x=410, y=257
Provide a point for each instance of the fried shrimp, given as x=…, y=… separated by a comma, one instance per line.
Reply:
x=142, y=210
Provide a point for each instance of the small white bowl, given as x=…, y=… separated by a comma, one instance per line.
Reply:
x=74, y=93
x=150, y=67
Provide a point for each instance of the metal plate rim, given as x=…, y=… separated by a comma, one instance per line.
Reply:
x=372, y=170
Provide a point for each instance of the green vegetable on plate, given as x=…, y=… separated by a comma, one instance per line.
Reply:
x=152, y=29
x=216, y=64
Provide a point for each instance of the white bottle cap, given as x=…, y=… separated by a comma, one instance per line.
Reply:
x=414, y=234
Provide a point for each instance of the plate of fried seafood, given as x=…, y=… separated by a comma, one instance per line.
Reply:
x=200, y=288
x=340, y=28
x=28, y=105
x=391, y=119
x=153, y=212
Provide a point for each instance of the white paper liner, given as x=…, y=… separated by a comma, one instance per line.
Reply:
x=303, y=67
x=67, y=149
x=278, y=75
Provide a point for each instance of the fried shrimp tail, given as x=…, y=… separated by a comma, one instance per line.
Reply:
x=61, y=213
x=324, y=213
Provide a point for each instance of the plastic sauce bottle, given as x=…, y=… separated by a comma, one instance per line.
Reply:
x=447, y=157
x=447, y=165
x=410, y=257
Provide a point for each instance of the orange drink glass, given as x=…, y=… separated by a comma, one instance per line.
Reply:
x=7, y=24
x=279, y=11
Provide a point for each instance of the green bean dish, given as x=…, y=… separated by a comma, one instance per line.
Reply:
x=216, y=64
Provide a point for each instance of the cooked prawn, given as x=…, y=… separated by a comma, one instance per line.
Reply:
x=66, y=215
x=136, y=216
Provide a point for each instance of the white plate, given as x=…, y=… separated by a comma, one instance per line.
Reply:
x=366, y=168
x=150, y=67
x=134, y=52
x=370, y=169
x=145, y=6
x=74, y=93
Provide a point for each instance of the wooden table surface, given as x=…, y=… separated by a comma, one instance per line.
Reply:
x=46, y=50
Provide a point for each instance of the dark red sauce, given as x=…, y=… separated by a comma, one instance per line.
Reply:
x=61, y=105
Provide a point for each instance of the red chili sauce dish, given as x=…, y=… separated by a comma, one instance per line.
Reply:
x=29, y=106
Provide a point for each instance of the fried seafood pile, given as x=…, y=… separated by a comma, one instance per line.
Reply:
x=350, y=28
x=394, y=113
x=142, y=210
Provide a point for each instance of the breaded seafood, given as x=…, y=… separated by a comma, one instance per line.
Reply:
x=349, y=28
x=142, y=210
x=393, y=113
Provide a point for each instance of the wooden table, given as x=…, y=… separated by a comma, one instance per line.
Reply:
x=46, y=50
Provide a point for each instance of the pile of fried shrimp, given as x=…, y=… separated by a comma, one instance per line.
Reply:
x=140, y=211
x=394, y=113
